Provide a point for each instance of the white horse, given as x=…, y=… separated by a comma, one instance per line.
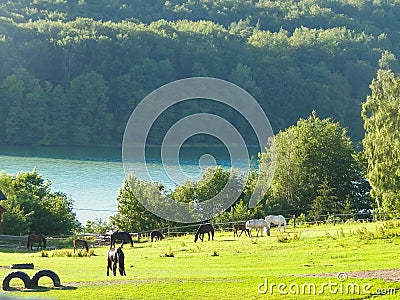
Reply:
x=257, y=224
x=277, y=220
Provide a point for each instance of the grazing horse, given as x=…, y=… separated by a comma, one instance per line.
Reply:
x=80, y=243
x=37, y=238
x=257, y=224
x=277, y=220
x=155, y=234
x=120, y=236
x=114, y=257
x=237, y=227
x=204, y=228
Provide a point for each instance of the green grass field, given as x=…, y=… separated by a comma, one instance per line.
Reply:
x=226, y=268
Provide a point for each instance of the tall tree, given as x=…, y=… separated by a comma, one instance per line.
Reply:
x=88, y=96
x=381, y=114
x=307, y=154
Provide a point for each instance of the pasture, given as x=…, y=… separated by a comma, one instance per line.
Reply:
x=226, y=268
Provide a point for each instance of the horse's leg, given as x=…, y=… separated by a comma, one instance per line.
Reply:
x=208, y=235
x=115, y=267
x=108, y=266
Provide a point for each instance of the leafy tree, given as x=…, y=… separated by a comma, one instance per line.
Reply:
x=382, y=140
x=91, y=123
x=97, y=226
x=26, y=106
x=325, y=203
x=307, y=154
x=31, y=207
x=132, y=215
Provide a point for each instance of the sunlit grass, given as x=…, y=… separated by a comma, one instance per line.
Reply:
x=226, y=268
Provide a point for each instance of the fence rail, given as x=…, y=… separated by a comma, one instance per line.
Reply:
x=56, y=242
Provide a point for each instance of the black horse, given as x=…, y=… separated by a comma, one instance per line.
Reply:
x=80, y=243
x=204, y=228
x=37, y=238
x=114, y=257
x=156, y=234
x=121, y=236
x=241, y=227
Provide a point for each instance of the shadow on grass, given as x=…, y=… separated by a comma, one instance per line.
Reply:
x=42, y=289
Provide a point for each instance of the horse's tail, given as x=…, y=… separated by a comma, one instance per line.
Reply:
x=44, y=243
x=29, y=241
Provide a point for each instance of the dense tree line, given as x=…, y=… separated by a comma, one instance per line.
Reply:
x=75, y=70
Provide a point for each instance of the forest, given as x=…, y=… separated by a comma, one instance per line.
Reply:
x=72, y=71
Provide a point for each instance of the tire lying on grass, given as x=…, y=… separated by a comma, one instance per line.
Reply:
x=22, y=266
x=48, y=273
x=16, y=274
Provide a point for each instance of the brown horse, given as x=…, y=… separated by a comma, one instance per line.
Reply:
x=155, y=234
x=204, y=228
x=237, y=227
x=80, y=243
x=37, y=238
x=114, y=257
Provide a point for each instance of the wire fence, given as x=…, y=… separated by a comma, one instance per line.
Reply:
x=103, y=239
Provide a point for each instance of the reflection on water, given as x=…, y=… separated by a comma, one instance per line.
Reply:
x=92, y=176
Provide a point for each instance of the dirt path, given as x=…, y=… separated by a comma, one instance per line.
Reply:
x=388, y=275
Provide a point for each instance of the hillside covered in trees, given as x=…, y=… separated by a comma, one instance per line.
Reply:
x=72, y=71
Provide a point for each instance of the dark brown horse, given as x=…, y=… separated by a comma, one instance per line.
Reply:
x=155, y=234
x=241, y=227
x=114, y=257
x=204, y=228
x=121, y=236
x=80, y=243
x=37, y=238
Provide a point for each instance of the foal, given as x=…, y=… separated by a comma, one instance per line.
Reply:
x=115, y=256
x=237, y=227
x=80, y=243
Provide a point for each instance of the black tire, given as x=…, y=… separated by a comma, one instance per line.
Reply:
x=22, y=266
x=53, y=276
x=16, y=274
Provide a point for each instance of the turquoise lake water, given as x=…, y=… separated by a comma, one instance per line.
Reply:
x=92, y=176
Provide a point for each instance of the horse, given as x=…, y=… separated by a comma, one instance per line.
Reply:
x=156, y=234
x=237, y=227
x=80, y=243
x=114, y=257
x=257, y=224
x=37, y=238
x=120, y=236
x=204, y=228
x=277, y=220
